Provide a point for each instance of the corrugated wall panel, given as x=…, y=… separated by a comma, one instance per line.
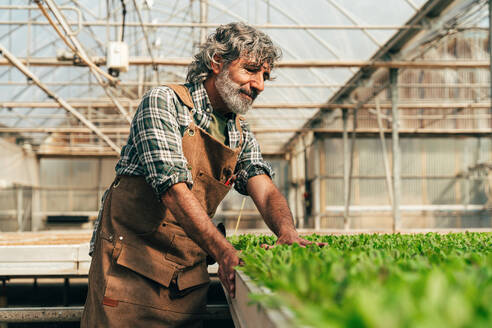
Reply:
x=435, y=171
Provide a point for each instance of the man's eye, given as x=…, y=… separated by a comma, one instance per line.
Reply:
x=252, y=69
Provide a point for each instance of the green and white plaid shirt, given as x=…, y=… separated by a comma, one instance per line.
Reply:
x=154, y=147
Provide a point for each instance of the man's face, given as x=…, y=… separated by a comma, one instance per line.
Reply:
x=240, y=83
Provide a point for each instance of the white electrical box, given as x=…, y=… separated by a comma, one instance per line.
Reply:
x=117, y=56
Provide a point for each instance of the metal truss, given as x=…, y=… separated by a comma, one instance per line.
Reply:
x=58, y=99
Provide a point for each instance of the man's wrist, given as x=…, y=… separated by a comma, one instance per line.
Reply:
x=223, y=251
x=290, y=232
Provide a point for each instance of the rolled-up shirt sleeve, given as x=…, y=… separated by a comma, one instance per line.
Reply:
x=250, y=162
x=157, y=138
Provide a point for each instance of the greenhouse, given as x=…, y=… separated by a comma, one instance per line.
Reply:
x=361, y=176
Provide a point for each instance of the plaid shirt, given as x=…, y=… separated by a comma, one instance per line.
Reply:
x=154, y=147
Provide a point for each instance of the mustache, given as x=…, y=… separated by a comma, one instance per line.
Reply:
x=253, y=93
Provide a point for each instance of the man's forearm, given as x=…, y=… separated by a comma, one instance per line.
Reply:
x=277, y=214
x=192, y=217
x=272, y=205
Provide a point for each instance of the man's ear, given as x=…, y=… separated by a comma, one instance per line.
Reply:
x=216, y=64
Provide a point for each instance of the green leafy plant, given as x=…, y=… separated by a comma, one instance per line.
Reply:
x=379, y=280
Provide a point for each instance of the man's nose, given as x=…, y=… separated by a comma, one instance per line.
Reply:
x=258, y=82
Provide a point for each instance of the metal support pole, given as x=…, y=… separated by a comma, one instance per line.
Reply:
x=100, y=192
x=36, y=217
x=346, y=168
x=322, y=173
x=385, y=154
x=490, y=52
x=20, y=208
x=299, y=188
x=396, y=148
x=307, y=186
x=292, y=193
x=315, y=197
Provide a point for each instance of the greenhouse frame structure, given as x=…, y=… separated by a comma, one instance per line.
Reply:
x=395, y=138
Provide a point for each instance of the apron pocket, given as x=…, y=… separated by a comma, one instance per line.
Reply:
x=147, y=262
x=191, y=277
x=137, y=276
x=185, y=252
x=189, y=280
x=209, y=191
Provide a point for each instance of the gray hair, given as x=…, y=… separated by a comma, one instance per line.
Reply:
x=229, y=42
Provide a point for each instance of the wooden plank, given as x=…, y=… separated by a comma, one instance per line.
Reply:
x=45, y=238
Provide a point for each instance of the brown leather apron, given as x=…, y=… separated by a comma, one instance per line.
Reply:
x=145, y=270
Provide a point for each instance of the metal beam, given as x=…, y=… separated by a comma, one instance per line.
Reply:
x=74, y=313
x=269, y=85
x=95, y=153
x=147, y=61
x=62, y=103
x=79, y=50
x=411, y=208
x=215, y=25
x=98, y=103
x=125, y=130
x=74, y=45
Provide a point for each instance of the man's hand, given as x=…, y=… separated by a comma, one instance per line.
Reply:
x=275, y=211
x=226, y=272
x=292, y=238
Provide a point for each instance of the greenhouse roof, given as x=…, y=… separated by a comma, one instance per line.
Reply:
x=326, y=47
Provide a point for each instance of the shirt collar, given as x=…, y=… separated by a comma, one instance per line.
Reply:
x=200, y=97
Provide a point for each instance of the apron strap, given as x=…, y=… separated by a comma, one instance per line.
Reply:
x=183, y=94
x=239, y=118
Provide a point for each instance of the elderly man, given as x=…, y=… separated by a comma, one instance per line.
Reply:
x=187, y=147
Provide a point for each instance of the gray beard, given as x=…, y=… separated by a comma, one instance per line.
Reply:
x=230, y=93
